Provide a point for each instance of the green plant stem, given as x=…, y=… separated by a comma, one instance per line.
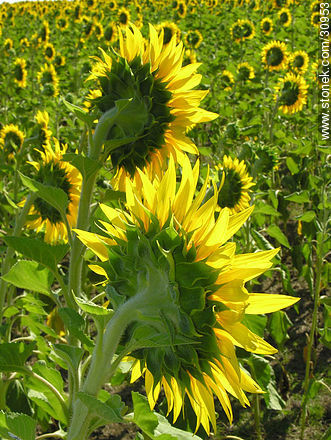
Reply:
x=257, y=416
x=100, y=367
x=309, y=367
x=8, y=260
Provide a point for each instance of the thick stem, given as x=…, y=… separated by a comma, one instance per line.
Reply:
x=100, y=366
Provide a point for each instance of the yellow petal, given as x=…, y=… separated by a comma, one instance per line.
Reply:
x=268, y=303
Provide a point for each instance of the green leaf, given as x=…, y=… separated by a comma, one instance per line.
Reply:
x=255, y=323
x=109, y=411
x=56, y=197
x=52, y=375
x=30, y=275
x=70, y=354
x=85, y=165
x=154, y=425
x=16, y=399
x=275, y=232
x=13, y=355
x=75, y=323
x=307, y=217
x=292, y=165
x=267, y=210
x=38, y=250
x=91, y=308
x=80, y=113
x=17, y=426
x=298, y=197
x=278, y=325
x=47, y=402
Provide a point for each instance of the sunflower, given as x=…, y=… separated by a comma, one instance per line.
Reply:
x=62, y=23
x=315, y=6
x=168, y=247
x=91, y=96
x=43, y=35
x=59, y=60
x=48, y=80
x=181, y=9
x=98, y=30
x=20, y=73
x=235, y=187
x=139, y=23
x=123, y=17
x=44, y=133
x=24, y=43
x=153, y=77
x=110, y=33
x=291, y=93
x=54, y=172
x=193, y=39
x=87, y=27
x=280, y=3
x=8, y=45
x=112, y=5
x=274, y=55
x=11, y=140
x=227, y=80
x=299, y=61
x=315, y=19
x=284, y=17
x=190, y=57
x=169, y=31
x=245, y=72
x=266, y=26
x=49, y=52
x=77, y=13
x=242, y=30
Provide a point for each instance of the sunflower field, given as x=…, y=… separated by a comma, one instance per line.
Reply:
x=164, y=220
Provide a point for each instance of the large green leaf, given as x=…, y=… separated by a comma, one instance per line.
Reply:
x=75, y=323
x=13, y=355
x=278, y=325
x=298, y=197
x=38, y=250
x=85, y=165
x=275, y=232
x=56, y=197
x=109, y=411
x=80, y=113
x=30, y=275
x=17, y=426
x=154, y=425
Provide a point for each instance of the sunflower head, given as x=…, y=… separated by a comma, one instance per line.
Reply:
x=193, y=39
x=291, y=93
x=53, y=171
x=49, y=52
x=20, y=72
x=48, y=80
x=190, y=57
x=227, y=80
x=44, y=32
x=110, y=33
x=245, y=72
x=169, y=255
x=59, y=60
x=169, y=31
x=123, y=17
x=112, y=5
x=159, y=90
x=62, y=23
x=11, y=140
x=43, y=132
x=266, y=26
x=285, y=17
x=274, y=55
x=299, y=61
x=235, y=184
x=25, y=43
x=181, y=9
x=8, y=45
x=242, y=30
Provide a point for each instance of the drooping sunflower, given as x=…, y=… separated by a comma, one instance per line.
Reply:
x=43, y=35
x=98, y=30
x=24, y=43
x=20, y=73
x=44, y=133
x=154, y=78
x=235, y=185
x=49, y=52
x=245, y=71
x=55, y=172
x=169, y=30
x=11, y=140
x=266, y=26
x=285, y=17
x=299, y=61
x=227, y=80
x=274, y=55
x=181, y=9
x=242, y=30
x=123, y=17
x=48, y=80
x=110, y=33
x=8, y=45
x=291, y=93
x=168, y=247
x=193, y=39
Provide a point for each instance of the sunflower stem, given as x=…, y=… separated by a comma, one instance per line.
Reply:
x=317, y=289
x=101, y=366
x=8, y=260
